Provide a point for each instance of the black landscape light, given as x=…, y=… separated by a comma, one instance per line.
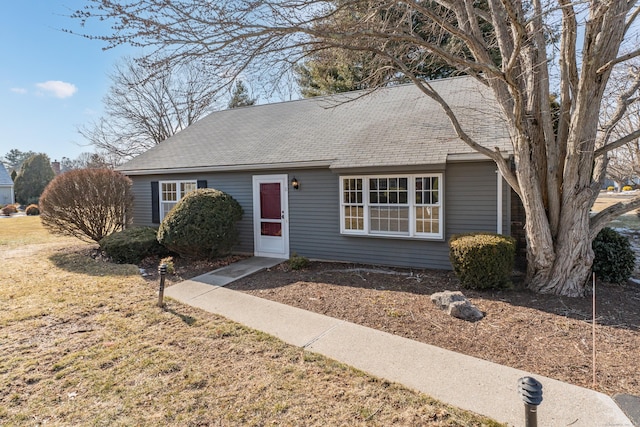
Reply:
x=530, y=390
x=162, y=269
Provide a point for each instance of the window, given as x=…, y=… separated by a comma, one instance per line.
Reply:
x=171, y=192
x=408, y=205
x=352, y=204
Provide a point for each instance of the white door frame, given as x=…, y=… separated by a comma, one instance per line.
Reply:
x=271, y=246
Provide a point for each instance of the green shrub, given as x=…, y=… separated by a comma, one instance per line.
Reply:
x=202, y=224
x=9, y=210
x=297, y=262
x=614, y=259
x=32, y=209
x=611, y=188
x=483, y=260
x=627, y=188
x=132, y=245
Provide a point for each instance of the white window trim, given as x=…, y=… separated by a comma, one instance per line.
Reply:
x=413, y=234
x=178, y=195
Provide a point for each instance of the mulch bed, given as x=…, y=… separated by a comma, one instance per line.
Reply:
x=543, y=334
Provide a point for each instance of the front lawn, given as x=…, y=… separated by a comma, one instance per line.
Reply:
x=82, y=343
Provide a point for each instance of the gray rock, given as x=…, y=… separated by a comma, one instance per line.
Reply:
x=457, y=305
x=443, y=299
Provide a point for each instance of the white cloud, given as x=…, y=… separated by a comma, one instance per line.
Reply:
x=58, y=88
x=19, y=90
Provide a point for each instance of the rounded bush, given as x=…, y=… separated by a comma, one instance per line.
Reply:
x=614, y=259
x=611, y=188
x=9, y=210
x=32, y=209
x=132, y=245
x=202, y=224
x=483, y=260
x=627, y=188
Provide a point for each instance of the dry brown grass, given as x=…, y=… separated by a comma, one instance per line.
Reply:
x=82, y=343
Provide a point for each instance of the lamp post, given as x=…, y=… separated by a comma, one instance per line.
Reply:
x=530, y=390
x=162, y=269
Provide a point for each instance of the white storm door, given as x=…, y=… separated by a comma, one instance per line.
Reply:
x=271, y=216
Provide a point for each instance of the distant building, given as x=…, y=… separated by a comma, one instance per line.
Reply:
x=7, y=196
x=55, y=165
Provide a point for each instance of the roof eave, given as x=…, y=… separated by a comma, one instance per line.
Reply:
x=229, y=168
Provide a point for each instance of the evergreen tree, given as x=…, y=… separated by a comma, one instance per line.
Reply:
x=15, y=158
x=240, y=96
x=35, y=174
x=334, y=70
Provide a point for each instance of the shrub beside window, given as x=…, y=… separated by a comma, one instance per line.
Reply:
x=627, y=188
x=202, y=224
x=483, y=260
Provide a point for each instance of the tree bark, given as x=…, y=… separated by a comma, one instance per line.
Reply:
x=570, y=268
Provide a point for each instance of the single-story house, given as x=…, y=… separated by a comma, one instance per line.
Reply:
x=7, y=195
x=378, y=178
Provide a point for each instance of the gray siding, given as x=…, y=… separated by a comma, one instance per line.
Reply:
x=6, y=194
x=470, y=204
x=236, y=184
x=470, y=198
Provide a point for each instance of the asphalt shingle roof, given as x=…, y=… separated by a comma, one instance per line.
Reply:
x=5, y=178
x=390, y=127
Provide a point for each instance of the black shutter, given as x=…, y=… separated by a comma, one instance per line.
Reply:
x=155, y=202
x=202, y=183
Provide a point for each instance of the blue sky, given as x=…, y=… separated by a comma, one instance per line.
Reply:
x=50, y=81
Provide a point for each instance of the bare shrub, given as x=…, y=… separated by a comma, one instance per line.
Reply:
x=87, y=203
x=8, y=210
x=32, y=209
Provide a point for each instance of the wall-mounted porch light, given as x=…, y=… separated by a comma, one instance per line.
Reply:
x=295, y=184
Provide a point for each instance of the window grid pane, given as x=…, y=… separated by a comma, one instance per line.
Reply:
x=353, y=206
x=392, y=191
x=427, y=219
x=389, y=219
x=166, y=207
x=186, y=187
x=171, y=192
x=427, y=208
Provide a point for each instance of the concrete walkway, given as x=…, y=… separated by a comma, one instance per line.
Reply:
x=463, y=381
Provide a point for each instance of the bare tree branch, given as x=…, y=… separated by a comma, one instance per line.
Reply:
x=557, y=152
x=146, y=106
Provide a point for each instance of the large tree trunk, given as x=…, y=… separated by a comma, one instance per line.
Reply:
x=572, y=257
